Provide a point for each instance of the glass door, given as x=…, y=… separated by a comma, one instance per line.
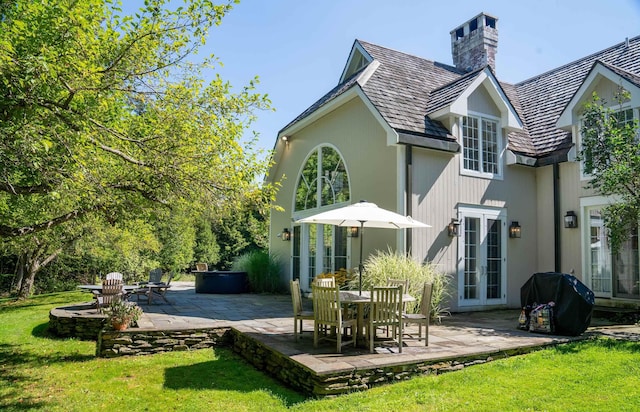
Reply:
x=482, y=264
x=323, y=247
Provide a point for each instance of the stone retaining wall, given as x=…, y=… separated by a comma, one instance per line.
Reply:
x=311, y=383
x=137, y=341
x=66, y=323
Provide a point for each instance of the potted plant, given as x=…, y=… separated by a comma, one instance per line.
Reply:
x=121, y=314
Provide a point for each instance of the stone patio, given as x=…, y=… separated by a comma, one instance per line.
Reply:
x=260, y=328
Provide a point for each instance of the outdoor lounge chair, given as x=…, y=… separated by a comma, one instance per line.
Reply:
x=112, y=289
x=299, y=315
x=152, y=290
x=386, y=310
x=114, y=275
x=423, y=317
x=328, y=313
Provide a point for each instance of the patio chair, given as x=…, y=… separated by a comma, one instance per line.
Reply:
x=423, y=317
x=114, y=275
x=202, y=267
x=112, y=289
x=326, y=282
x=299, y=315
x=405, y=287
x=327, y=311
x=386, y=310
x=153, y=289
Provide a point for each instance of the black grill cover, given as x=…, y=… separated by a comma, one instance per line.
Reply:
x=573, y=300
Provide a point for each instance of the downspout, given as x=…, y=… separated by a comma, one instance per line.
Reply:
x=407, y=191
x=556, y=217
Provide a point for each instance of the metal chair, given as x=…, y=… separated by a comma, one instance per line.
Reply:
x=328, y=313
x=299, y=315
x=424, y=316
x=386, y=310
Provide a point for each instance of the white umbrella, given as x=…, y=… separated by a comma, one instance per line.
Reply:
x=363, y=214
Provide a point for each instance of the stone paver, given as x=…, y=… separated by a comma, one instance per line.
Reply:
x=268, y=318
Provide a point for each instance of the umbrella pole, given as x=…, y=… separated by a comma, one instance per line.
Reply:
x=360, y=265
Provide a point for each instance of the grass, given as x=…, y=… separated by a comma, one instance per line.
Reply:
x=41, y=373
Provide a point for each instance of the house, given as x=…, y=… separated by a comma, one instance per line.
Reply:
x=490, y=166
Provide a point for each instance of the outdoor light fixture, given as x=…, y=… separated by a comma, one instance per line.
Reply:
x=286, y=235
x=353, y=231
x=453, y=227
x=285, y=140
x=570, y=220
x=515, y=230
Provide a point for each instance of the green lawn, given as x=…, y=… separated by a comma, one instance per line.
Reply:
x=39, y=372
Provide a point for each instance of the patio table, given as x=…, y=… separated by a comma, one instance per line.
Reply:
x=360, y=300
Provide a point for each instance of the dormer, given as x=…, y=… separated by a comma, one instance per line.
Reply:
x=477, y=88
x=605, y=80
x=358, y=58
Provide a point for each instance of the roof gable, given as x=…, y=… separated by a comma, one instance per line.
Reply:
x=358, y=59
x=544, y=97
x=599, y=70
x=453, y=98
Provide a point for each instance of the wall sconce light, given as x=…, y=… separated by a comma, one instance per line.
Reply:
x=286, y=235
x=285, y=140
x=515, y=230
x=453, y=227
x=353, y=231
x=570, y=220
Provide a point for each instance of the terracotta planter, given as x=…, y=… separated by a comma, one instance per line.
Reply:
x=120, y=325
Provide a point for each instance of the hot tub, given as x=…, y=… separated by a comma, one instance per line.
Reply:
x=221, y=282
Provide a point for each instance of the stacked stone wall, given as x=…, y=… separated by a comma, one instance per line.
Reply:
x=136, y=341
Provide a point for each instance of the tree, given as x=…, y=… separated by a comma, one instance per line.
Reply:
x=103, y=115
x=611, y=154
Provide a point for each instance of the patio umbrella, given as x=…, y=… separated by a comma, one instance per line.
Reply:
x=363, y=214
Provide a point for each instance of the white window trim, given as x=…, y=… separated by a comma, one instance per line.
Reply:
x=501, y=146
x=616, y=108
x=481, y=212
x=585, y=204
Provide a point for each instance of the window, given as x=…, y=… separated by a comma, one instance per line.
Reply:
x=481, y=146
x=608, y=274
x=624, y=118
x=324, y=185
x=316, y=249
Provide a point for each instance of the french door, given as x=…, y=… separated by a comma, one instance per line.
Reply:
x=482, y=257
x=608, y=274
x=318, y=249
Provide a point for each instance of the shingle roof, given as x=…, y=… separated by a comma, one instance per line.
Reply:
x=405, y=88
x=544, y=97
x=631, y=77
x=332, y=94
x=400, y=88
x=445, y=95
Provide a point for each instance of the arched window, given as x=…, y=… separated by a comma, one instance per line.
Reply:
x=323, y=181
x=320, y=248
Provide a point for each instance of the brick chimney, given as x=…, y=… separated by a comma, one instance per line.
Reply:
x=474, y=44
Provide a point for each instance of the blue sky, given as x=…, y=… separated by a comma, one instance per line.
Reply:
x=299, y=48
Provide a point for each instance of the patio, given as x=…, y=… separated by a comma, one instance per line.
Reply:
x=260, y=328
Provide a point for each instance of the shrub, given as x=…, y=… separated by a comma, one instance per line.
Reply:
x=384, y=265
x=263, y=271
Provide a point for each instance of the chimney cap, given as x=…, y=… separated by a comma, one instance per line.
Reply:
x=489, y=20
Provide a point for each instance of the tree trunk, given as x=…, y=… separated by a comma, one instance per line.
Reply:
x=16, y=285
x=32, y=265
